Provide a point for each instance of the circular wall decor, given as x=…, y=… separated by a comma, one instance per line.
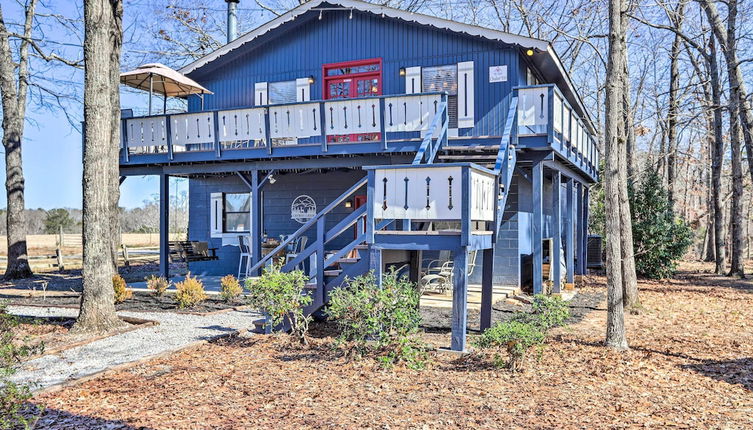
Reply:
x=303, y=209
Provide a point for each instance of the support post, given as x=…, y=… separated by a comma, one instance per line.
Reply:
x=164, y=225
x=487, y=288
x=538, y=221
x=459, y=299
x=320, y=232
x=569, y=242
x=583, y=257
x=556, y=257
x=375, y=264
x=256, y=221
x=580, y=268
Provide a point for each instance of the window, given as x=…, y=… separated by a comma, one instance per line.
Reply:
x=443, y=78
x=351, y=69
x=531, y=79
x=282, y=92
x=235, y=212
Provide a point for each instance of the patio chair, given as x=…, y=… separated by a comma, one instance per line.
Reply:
x=439, y=273
x=245, y=253
x=298, y=246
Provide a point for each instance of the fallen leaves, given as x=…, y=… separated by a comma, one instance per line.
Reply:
x=690, y=366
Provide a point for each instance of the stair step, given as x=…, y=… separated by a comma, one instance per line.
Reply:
x=348, y=260
x=485, y=157
x=332, y=272
x=310, y=286
x=362, y=246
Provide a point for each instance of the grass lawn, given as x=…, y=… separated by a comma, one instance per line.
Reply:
x=690, y=366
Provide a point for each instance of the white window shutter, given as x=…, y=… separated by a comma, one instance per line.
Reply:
x=215, y=215
x=466, y=90
x=302, y=90
x=413, y=80
x=260, y=94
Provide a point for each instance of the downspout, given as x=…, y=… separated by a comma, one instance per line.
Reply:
x=232, y=20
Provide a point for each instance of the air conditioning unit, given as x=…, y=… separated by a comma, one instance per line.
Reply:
x=594, y=252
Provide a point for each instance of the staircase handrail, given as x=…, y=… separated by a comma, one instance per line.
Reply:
x=328, y=237
x=360, y=183
x=427, y=142
x=505, y=143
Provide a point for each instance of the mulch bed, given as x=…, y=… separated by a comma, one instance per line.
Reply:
x=54, y=335
x=140, y=302
x=689, y=366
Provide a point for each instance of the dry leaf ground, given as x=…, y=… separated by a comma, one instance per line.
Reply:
x=690, y=366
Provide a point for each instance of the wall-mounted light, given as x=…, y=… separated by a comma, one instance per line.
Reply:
x=272, y=179
x=349, y=204
x=311, y=79
x=351, y=14
x=320, y=15
x=402, y=71
x=529, y=52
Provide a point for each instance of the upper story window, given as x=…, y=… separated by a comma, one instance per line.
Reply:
x=235, y=212
x=443, y=78
x=282, y=92
x=354, y=69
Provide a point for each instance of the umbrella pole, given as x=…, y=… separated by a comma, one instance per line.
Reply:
x=164, y=105
x=151, y=83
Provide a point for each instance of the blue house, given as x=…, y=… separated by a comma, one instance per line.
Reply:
x=383, y=137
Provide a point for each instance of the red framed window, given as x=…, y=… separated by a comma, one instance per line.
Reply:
x=349, y=80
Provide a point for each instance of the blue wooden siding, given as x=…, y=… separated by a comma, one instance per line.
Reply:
x=277, y=198
x=300, y=48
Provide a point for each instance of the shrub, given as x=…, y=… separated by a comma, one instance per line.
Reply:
x=517, y=337
x=158, y=284
x=122, y=292
x=189, y=292
x=280, y=296
x=383, y=320
x=524, y=331
x=13, y=396
x=230, y=288
x=660, y=238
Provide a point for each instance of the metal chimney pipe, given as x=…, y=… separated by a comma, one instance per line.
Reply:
x=232, y=20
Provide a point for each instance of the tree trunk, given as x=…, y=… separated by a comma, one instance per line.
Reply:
x=14, y=94
x=737, y=264
x=97, y=301
x=629, y=277
x=717, y=160
x=674, y=104
x=116, y=39
x=615, y=336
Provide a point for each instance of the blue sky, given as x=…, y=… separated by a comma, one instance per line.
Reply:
x=52, y=147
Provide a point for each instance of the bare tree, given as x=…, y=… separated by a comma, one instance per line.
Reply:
x=14, y=84
x=102, y=20
x=676, y=18
x=613, y=139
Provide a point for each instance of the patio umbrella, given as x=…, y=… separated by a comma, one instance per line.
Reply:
x=160, y=79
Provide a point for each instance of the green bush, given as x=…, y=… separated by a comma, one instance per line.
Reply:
x=158, y=284
x=523, y=331
x=660, y=238
x=230, y=288
x=381, y=320
x=14, y=411
x=189, y=292
x=280, y=296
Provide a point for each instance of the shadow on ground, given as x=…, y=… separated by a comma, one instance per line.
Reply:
x=54, y=419
x=736, y=372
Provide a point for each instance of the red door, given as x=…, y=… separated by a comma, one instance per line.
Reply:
x=350, y=80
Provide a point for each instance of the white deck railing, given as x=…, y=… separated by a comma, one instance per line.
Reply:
x=306, y=123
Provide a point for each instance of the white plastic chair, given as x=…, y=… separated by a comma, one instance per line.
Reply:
x=439, y=273
x=245, y=253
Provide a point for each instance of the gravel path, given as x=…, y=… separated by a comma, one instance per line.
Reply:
x=173, y=332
